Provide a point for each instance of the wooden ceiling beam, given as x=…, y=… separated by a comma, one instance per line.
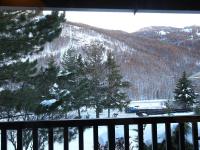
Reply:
x=183, y=5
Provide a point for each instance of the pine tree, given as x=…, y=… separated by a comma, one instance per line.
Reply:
x=184, y=92
x=46, y=76
x=96, y=70
x=23, y=34
x=115, y=96
x=50, y=88
x=14, y=88
x=74, y=79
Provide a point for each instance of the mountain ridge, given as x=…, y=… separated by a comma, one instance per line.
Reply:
x=143, y=56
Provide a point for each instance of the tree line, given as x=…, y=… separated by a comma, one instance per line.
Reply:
x=93, y=81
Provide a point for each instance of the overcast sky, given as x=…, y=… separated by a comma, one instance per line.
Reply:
x=129, y=22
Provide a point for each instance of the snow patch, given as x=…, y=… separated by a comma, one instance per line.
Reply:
x=1, y=89
x=104, y=57
x=55, y=85
x=63, y=73
x=162, y=32
x=60, y=108
x=19, y=31
x=198, y=33
x=30, y=35
x=198, y=63
x=191, y=37
x=65, y=92
x=187, y=96
x=188, y=30
x=48, y=103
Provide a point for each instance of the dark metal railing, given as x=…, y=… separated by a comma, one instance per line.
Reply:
x=110, y=123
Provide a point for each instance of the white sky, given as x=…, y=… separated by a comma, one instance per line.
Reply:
x=129, y=22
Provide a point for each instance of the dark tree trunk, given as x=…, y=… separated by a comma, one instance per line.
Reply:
x=79, y=113
x=108, y=112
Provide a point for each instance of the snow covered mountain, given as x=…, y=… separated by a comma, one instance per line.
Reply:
x=152, y=59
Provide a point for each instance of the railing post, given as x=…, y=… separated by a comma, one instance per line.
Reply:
x=111, y=137
x=195, y=135
x=50, y=137
x=3, y=139
x=154, y=137
x=168, y=136
x=95, y=137
x=126, y=135
x=81, y=142
x=19, y=139
x=66, y=139
x=181, y=136
x=140, y=136
x=35, y=139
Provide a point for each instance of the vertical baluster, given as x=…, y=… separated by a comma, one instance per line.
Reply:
x=140, y=137
x=126, y=135
x=195, y=135
x=81, y=142
x=35, y=139
x=168, y=136
x=111, y=137
x=50, y=137
x=19, y=139
x=181, y=136
x=95, y=136
x=154, y=137
x=3, y=139
x=66, y=140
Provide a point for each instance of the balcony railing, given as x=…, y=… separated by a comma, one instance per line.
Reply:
x=110, y=123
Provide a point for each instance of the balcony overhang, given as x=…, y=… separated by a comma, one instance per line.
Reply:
x=146, y=5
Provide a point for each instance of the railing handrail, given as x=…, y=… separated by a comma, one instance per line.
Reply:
x=110, y=123
x=99, y=122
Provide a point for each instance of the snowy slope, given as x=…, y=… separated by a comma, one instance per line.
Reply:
x=144, y=56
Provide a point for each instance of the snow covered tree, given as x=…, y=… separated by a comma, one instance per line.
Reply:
x=74, y=79
x=51, y=95
x=23, y=33
x=115, y=86
x=48, y=77
x=184, y=92
x=96, y=70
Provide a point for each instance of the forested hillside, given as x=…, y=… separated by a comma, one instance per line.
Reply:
x=144, y=57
